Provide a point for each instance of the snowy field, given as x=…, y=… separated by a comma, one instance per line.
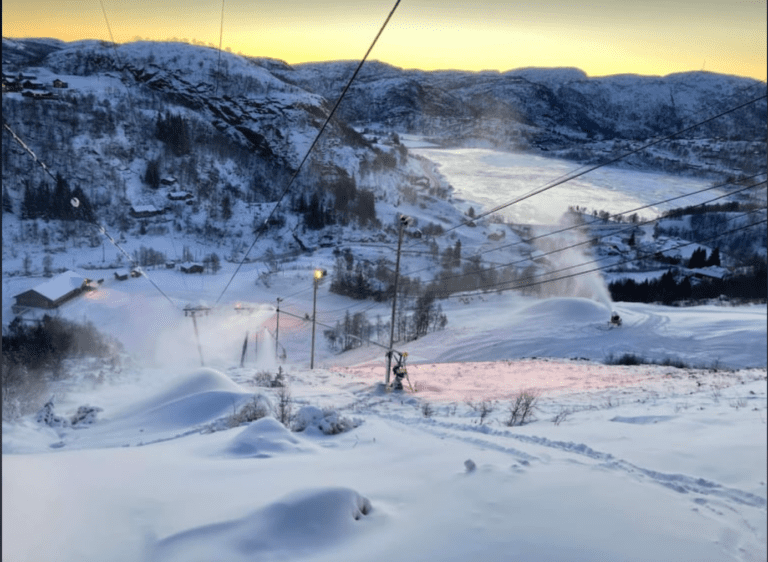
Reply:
x=620, y=463
x=492, y=177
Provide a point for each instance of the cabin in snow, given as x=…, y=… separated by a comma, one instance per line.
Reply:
x=143, y=211
x=124, y=274
x=52, y=293
x=180, y=195
x=60, y=84
x=188, y=267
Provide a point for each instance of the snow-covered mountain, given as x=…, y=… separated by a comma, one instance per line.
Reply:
x=170, y=137
x=139, y=124
x=552, y=109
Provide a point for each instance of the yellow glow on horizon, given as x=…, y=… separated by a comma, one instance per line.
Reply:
x=653, y=37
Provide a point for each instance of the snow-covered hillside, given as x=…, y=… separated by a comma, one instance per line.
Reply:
x=625, y=463
x=185, y=421
x=146, y=124
x=559, y=110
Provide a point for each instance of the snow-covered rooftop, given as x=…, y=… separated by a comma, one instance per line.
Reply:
x=60, y=285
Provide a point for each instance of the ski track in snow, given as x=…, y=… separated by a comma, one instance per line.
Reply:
x=678, y=482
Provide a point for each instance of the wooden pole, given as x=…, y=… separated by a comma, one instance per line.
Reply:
x=245, y=348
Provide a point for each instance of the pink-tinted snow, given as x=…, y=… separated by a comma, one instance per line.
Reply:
x=502, y=380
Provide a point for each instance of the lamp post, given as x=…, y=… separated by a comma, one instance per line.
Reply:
x=318, y=275
x=404, y=221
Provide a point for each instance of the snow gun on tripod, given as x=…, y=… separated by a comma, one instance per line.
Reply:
x=400, y=371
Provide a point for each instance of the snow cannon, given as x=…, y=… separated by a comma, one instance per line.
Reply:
x=615, y=319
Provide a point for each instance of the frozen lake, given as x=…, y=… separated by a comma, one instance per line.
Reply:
x=491, y=177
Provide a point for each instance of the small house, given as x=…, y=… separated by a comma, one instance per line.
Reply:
x=38, y=95
x=124, y=274
x=29, y=85
x=144, y=211
x=60, y=84
x=188, y=267
x=179, y=195
x=168, y=180
x=54, y=292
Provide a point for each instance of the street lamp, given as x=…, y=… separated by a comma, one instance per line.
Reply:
x=319, y=273
x=404, y=221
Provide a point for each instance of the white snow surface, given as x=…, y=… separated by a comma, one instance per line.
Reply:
x=493, y=177
x=620, y=463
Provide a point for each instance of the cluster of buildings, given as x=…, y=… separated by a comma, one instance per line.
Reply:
x=29, y=87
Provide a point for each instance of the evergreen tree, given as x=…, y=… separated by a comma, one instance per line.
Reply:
x=28, y=210
x=61, y=208
x=7, y=202
x=226, y=208
x=457, y=254
x=714, y=257
x=152, y=173
x=698, y=259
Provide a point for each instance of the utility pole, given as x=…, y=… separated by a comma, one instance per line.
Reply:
x=318, y=275
x=277, y=327
x=404, y=221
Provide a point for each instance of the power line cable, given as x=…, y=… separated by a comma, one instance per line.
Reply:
x=630, y=227
x=589, y=241
x=263, y=228
x=485, y=288
x=87, y=217
x=575, y=175
x=221, y=36
x=615, y=215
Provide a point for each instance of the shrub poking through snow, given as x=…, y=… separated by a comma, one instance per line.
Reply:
x=482, y=409
x=265, y=378
x=521, y=410
x=85, y=415
x=284, y=406
x=427, y=410
x=46, y=416
x=259, y=407
x=328, y=421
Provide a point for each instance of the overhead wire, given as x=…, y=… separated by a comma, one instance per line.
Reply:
x=285, y=191
x=221, y=36
x=484, y=289
x=572, y=176
x=630, y=227
x=597, y=220
x=88, y=217
x=499, y=287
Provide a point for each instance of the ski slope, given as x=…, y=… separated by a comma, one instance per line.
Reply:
x=649, y=463
x=620, y=463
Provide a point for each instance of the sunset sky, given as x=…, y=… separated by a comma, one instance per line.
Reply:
x=654, y=37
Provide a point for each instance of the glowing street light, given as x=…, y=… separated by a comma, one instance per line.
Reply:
x=319, y=274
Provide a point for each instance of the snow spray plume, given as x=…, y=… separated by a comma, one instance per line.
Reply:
x=589, y=285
